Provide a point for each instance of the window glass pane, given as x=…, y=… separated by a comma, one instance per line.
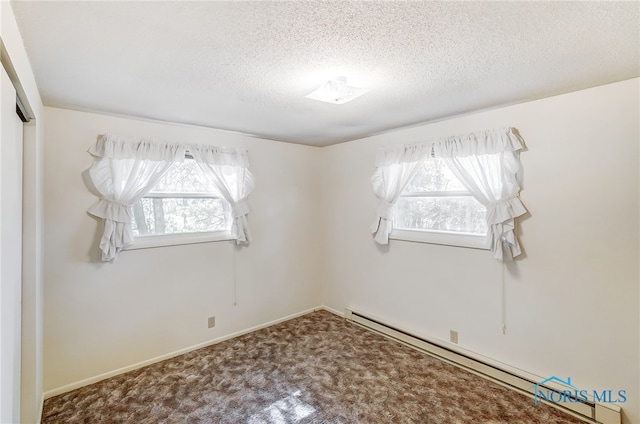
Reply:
x=434, y=175
x=184, y=177
x=155, y=216
x=460, y=214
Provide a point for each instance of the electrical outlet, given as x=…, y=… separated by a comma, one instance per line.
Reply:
x=212, y=322
x=453, y=336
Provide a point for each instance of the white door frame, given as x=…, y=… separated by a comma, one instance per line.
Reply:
x=11, y=161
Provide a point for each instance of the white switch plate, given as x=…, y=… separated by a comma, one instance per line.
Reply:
x=453, y=336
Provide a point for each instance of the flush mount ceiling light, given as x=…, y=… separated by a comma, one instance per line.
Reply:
x=336, y=91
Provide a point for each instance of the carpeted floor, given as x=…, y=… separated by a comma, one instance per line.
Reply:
x=314, y=369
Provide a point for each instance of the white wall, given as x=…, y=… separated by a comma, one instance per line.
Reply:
x=571, y=302
x=14, y=60
x=101, y=317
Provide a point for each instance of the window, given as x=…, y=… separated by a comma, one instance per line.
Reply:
x=421, y=199
x=183, y=207
x=130, y=175
x=435, y=207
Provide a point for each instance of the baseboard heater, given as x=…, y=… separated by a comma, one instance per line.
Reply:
x=588, y=411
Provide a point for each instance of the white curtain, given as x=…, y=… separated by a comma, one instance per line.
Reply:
x=394, y=171
x=124, y=170
x=487, y=164
x=228, y=170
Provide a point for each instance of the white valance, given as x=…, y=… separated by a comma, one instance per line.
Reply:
x=219, y=156
x=127, y=168
x=118, y=147
x=407, y=153
x=485, y=162
x=477, y=143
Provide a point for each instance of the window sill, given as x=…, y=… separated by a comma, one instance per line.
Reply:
x=443, y=238
x=147, y=242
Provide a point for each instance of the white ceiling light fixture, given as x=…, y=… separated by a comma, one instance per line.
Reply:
x=337, y=91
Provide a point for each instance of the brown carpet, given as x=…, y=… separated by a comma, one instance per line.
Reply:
x=314, y=369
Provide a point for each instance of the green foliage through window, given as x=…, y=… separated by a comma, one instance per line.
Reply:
x=435, y=200
x=183, y=201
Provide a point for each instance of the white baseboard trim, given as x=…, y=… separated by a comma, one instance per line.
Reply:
x=333, y=311
x=39, y=417
x=85, y=382
x=500, y=373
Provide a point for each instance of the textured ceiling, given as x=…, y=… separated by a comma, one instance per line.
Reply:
x=246, y=66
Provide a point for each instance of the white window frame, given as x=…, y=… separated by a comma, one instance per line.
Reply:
x=443, y=238
x=447, y=238
x=162, y=240
x=147, y=241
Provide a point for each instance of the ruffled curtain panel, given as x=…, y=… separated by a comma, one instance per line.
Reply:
x=125, y=169
x=395, y=170
x=228, y=170
x=486, y=163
